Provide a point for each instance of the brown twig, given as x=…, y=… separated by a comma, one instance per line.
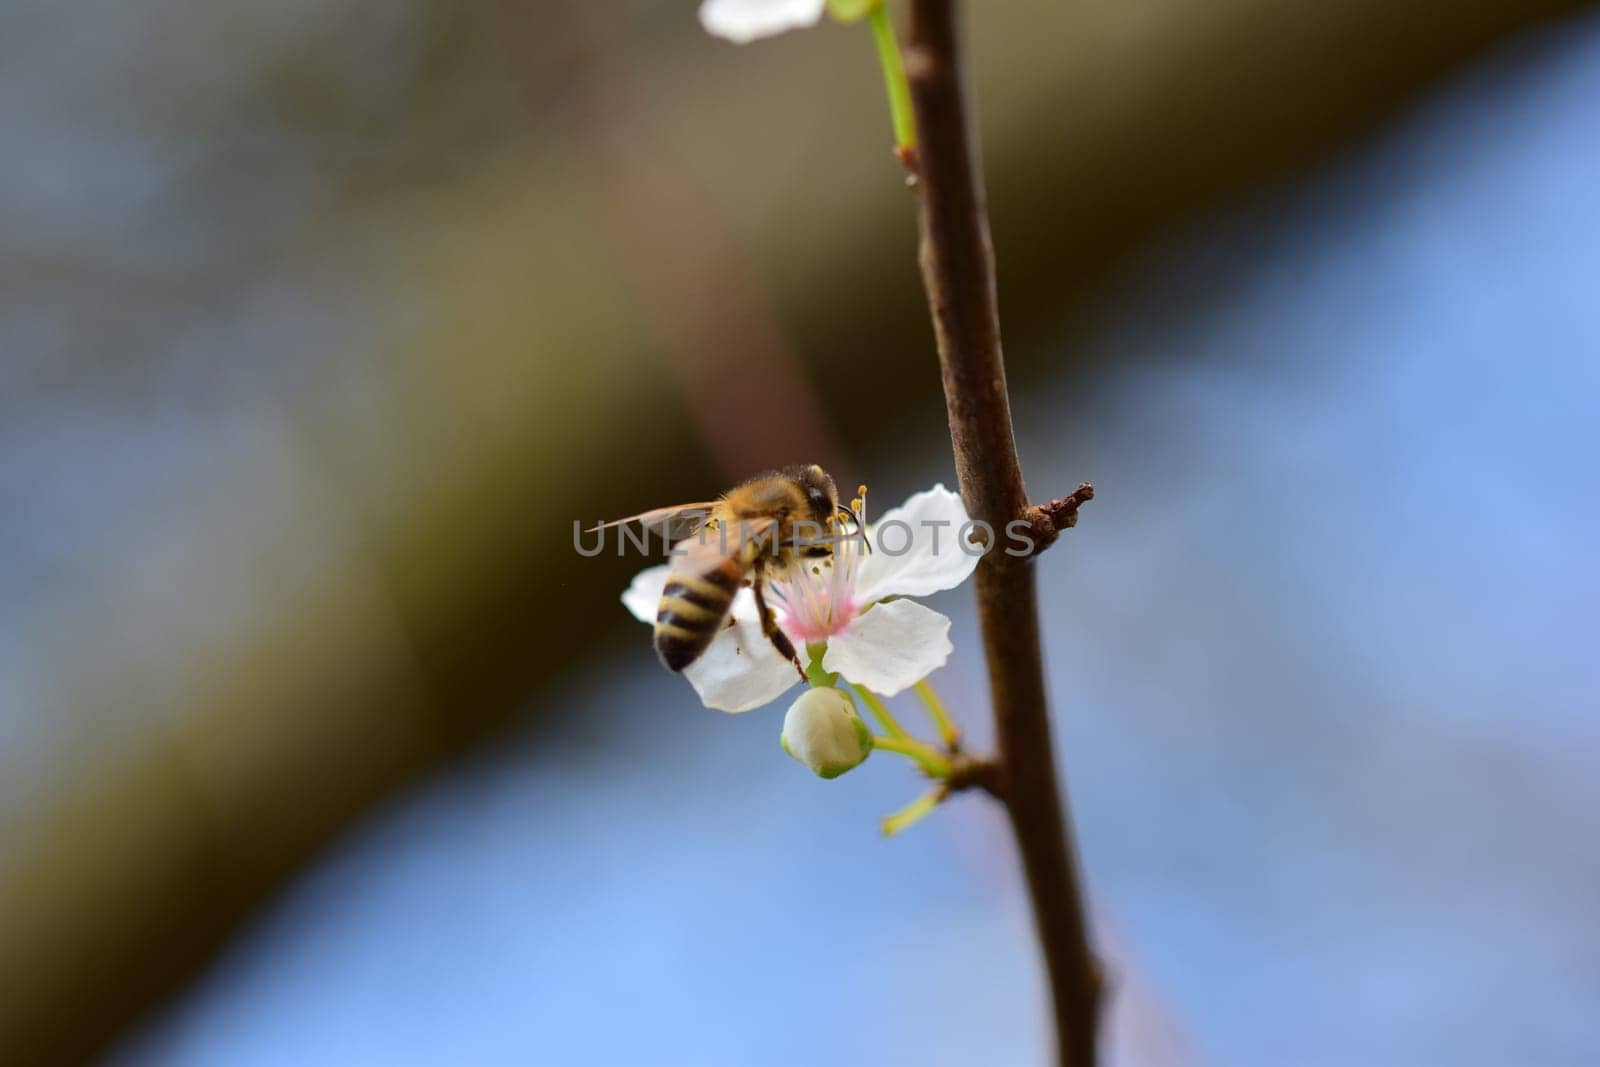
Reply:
x=958, y=272
x=970, y=772
x=1048, y=520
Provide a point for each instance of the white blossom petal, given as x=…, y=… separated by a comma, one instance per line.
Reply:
x=742, y=21
x=917, y=548
x=890, y=648
x=643, y=595
x=744, y=609
x=740, y=669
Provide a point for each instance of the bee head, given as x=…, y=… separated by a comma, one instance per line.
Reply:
x=822, y=498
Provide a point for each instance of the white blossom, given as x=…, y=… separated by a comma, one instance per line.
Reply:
x=743, y=21
x=840, y=603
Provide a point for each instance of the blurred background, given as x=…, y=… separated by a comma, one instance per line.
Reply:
x=322, y=322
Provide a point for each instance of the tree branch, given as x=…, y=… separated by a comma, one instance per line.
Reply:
x=958, y=272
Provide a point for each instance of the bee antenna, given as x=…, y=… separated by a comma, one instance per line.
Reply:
x=855, y=519
x=840, y=509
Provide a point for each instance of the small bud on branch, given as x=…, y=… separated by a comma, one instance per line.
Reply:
x=1048, y=520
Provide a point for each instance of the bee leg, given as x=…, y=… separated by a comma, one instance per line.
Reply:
x=769, y=626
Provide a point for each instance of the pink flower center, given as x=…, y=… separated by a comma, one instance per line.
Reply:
x=817, y=598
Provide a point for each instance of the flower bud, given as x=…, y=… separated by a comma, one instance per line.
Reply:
x=823, y=731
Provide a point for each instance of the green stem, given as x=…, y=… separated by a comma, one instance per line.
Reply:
x=941, y=718
x=885, y=718
x=815, y=674
x=913, y=812
x=923, y=755
x=894, y=78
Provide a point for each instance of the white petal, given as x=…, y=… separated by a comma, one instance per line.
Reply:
x=643, y=596
x=890, y=648
x=917, y=550
x=742, y=21
x=744, y=609
x=740, y=669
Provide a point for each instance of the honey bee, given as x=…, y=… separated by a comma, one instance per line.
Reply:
x=752, y=533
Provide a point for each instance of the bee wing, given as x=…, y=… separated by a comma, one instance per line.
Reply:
x=706, y=548
x=673, y=523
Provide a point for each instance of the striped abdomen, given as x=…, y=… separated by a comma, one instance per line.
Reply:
x=692, y=610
